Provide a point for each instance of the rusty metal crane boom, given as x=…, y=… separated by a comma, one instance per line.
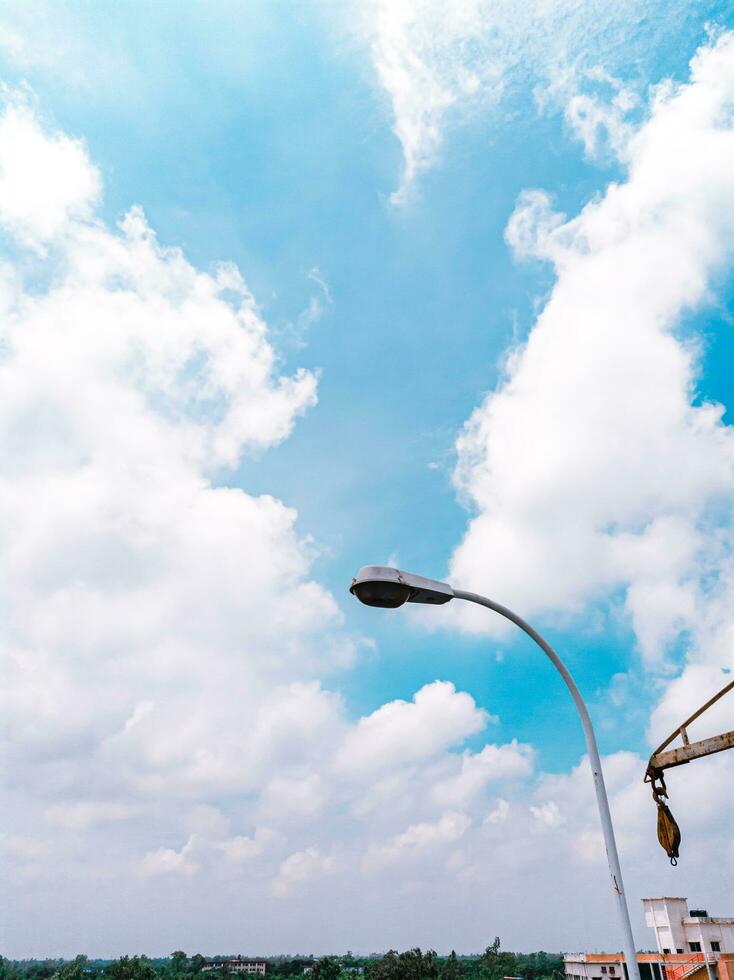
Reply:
x=660, y=760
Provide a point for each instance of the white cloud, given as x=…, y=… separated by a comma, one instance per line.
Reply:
x=80, y=816
x=319, y=304
x=418, y=838
x=700, y=798
x=402, y=732
x=547, y=814
x=301, y=867
x=594, y=466
x=409, y=41
x=45, y=179
x=163, y=637
x=683, y=696
x=243, y=848
x=285, y=796
x=446, y=830
x=438, y=63
x=499, y=812
x=601, y=123
x=166, y=634
x=154, y=614
x=531, y=225
x=478, y=769
x=166, y=860
x=205, y=819
x=597, y=469
x=12, y=43
x=141, y=591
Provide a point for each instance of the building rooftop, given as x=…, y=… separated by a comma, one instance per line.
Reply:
x=722, y=920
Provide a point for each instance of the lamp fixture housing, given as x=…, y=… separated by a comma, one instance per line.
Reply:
x=388, y=588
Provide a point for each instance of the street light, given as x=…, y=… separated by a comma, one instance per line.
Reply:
x=388, y=588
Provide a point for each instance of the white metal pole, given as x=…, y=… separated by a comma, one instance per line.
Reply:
x=709, y=968
x=630, y=953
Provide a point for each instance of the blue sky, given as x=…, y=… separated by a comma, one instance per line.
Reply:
x=268, y=136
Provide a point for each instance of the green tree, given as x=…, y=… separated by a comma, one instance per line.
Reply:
x=496, y=964
x=429, y=967
x=179, y=962
x=9, y=970
x=413, y=964
x=131, y=968
x=387, y=967
x=73, y=970
x=540, y=965
x=327, y=968
x=451, y=967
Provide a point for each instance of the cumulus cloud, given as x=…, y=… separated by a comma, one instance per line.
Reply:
x=139, y=587
x=402, y=732
x=597, y=469
x=130, y=379
x=420, y=837
x=301, y=867
x=700, y=797
x=492, y=763
x=163, y=637
x=243, y=848
x=684, y=695
x=296, y=795
x=498, y=813
x=46, y=179
x=547, y=814
x=166, y=860
x=164, y=634
x=594, y=466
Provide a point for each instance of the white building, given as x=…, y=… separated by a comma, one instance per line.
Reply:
x=679, y=931
x=692, y=945
x=236, y=964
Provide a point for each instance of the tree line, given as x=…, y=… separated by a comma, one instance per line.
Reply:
x=413, y=964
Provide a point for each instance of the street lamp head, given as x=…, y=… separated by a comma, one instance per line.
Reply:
x=388, y=588
x=379, y=589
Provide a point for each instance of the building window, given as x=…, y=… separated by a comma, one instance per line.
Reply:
x=665, y=951
x=611, y=969
x=695, y=947
x=603, y=969
x=715, y=946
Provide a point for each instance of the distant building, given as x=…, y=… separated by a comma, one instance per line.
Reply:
x=236, y=964
x=679, y=931
x=692, y=945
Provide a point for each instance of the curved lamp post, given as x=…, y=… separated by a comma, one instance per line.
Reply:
x=388, y=588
